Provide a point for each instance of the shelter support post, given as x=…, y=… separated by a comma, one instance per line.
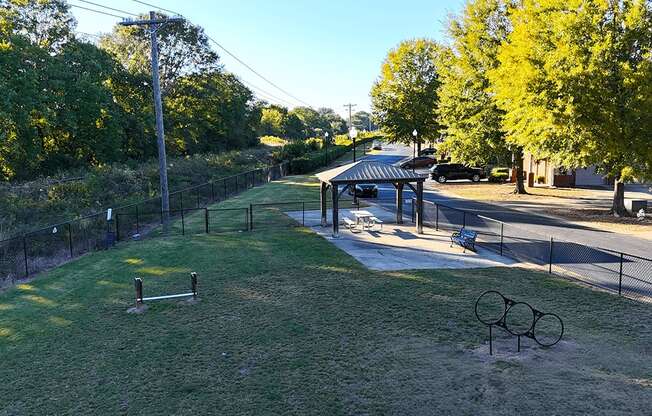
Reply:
x=322, y=194
x=399, y=203
x=336, y=216
x=419, y=209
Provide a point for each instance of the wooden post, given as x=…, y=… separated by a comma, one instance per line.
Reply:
x=399, y=203
x=336, y=216
x=323, y=207
x=420, y=207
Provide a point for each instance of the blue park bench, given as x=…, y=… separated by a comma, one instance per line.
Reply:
x=465, y=238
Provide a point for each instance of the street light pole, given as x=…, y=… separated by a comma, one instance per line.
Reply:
x=414, y=148
x=353, y=133
x=326, y=146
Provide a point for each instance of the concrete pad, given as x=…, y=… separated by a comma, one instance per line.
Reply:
x=399, y=247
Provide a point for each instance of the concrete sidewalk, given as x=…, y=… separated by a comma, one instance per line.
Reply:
x=399, y=247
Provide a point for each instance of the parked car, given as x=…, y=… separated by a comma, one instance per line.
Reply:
x=447, y=171
x=418, y=162
x=364, y=190
x=428, y=151
x=376, y=146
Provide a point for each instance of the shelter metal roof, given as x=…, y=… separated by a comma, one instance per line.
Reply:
x=368, y=171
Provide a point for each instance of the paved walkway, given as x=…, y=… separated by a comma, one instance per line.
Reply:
x=399, y=247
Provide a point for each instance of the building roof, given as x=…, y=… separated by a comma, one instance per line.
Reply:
x=369, y=172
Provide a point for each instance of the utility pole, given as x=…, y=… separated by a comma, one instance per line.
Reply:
x=154, y=24
x=350, y=107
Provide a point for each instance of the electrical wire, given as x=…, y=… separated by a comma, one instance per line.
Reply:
x=157, y=7
x=256, y=72
x=97, y=11
x=228, y=52
x=108, y=8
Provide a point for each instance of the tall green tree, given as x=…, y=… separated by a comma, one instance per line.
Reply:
x=362, y=121
x=575, y=82
x=184, y=50
x=333, y=120
x=405, y=97
x=472, y=120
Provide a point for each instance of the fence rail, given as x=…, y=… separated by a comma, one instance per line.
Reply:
x=626, y=274
x=38, y=250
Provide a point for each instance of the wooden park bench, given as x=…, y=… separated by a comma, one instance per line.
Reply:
x=465, y=238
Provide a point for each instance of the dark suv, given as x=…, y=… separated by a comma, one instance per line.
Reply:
x=447, y=171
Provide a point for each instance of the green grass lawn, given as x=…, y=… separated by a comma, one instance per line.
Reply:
x=287, y=324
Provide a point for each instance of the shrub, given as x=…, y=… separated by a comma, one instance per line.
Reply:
x=498, y=175
x=273, y=141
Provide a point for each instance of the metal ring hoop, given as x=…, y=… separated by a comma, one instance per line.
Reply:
x=504, y=308
x=531, y=325
x=534, y=334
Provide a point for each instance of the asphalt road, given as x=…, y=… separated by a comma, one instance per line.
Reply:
x=547, y=226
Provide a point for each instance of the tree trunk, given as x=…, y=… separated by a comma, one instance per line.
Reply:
x=519, y=187
x=618, y=204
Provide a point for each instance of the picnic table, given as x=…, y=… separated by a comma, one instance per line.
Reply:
x=364, y=217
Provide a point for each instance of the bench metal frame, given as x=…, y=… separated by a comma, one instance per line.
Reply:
x=140, y=300
x=459, y=238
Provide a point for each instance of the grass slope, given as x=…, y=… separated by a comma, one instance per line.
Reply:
x=287, y=324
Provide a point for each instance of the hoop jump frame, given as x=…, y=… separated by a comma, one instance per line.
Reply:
x=530, y=332
x=140, y=300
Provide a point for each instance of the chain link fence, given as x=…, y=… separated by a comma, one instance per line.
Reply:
x=622, y=273
x=33, y=252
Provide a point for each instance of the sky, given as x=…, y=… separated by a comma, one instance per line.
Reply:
x=326, y=53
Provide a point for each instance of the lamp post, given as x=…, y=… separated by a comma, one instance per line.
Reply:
x=353, y=133
x=415, y=134
x=326, y=146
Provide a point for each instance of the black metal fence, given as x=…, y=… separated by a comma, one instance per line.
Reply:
x=25, y=255
x=619, y=272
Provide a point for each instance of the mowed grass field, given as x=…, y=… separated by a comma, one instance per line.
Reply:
x=287, y=324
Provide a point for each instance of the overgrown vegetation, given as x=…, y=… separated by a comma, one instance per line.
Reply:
x=31, y=205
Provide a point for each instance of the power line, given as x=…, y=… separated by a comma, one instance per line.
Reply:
x=230, y=54
x=97, y=11
x=256, y=72
x=108, y=8
x=156, y=7
x=260, y=90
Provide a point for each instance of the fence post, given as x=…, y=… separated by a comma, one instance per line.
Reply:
x=502, y=233
x=437, y=217
x=117, y=227
x=247, y=225
x=620, y=276
x=303, y=213
x=25, y=254
x=206, y=219
x=198, y=197
x=212, y=192
x=69, y=239
x=183, y=223
x=550, y=256
x=251, y=217
x=137, y=221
